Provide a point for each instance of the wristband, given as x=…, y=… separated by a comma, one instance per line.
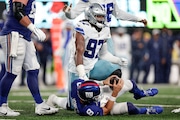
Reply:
x=31, y=27
x=81, y=70
x=112, y=98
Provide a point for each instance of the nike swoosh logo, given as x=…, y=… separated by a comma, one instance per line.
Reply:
x=3, y=113
x=47, y=108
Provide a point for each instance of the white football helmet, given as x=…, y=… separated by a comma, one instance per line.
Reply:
x=96, y=15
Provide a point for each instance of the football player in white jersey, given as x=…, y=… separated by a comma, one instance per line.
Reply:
x=89, y=55
x=110, y=7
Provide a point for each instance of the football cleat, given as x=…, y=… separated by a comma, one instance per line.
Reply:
x=154, y=110
x=145, y=93
x=6, y=111
x=176, y=110
x=45, y=109
x=138, y=93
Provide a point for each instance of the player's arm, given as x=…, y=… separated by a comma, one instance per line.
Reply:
x=109, y=105
x=72, y=13
x=106, y=55
x=80, y=48
x=19, y=13
x=122, y=15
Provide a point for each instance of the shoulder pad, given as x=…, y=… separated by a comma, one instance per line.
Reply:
x=85, y=0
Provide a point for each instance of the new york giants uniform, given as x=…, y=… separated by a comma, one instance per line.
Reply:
x=92, y=109
x=25, y=45
x=13, y=24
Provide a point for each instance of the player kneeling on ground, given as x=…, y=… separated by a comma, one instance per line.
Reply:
x=88, y=100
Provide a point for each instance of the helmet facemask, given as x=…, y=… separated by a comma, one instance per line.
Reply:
x=96, y=15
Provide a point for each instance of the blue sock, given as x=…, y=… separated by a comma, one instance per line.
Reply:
x=32, y=82
x=5, y=86
x=132, y=110
x=3, y=71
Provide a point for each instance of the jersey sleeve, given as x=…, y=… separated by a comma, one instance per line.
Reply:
x=79, y=8
x=122, y=15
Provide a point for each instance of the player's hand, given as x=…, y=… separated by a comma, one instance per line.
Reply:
x=123, y=62
x=144, y=21
x=67, y=9
x=107, y=80
x=38, y=32
x=117, y=87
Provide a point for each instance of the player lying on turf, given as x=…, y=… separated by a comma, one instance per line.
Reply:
x=89, y=101
x=176, y=110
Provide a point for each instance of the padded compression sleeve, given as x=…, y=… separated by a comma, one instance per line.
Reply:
x=18, y=10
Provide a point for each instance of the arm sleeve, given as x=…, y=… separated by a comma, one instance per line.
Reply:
x=122, y=15
x=106, y=55
x=78, y=9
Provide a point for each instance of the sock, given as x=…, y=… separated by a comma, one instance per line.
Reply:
x=60, y=101
x=32, y=82
x=3, y=71
x=135, y=88
x=132, y=110
x=5, y=86
x=126, y=87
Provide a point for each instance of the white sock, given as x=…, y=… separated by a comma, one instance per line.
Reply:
x=61, y=102
x=126, y=87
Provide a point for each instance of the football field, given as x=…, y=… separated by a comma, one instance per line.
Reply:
x=168, y=97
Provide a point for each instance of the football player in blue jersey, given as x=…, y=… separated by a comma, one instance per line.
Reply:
x=19, y=51
x=88, y=100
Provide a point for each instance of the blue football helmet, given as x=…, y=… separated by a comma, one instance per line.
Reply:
x=89, y=91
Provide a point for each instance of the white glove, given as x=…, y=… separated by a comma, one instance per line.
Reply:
x=39, y=33
x=123, y=62
x=81, y=72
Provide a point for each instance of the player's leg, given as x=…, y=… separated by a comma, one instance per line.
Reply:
x=13, y=68
x=31, y=65
x=131, y=109
x=71, y=78
x=103, y=69
x=54, y=100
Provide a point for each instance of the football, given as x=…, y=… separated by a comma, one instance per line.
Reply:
x=112, y=80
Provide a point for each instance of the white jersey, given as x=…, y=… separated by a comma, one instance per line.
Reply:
x=93, y=42
x=110, y=6
x=122, y=45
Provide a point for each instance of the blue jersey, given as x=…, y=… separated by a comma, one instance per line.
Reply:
x=91, y=109
x=12, y=24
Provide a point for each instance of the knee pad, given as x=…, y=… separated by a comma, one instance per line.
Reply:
x=117, y=72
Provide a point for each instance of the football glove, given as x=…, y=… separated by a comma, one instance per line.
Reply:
x=123, y=62
x=39, y=33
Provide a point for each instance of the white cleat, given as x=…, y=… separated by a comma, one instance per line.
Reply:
x=176, y=110
x=44, y=109
x=6, y=111
x=50, y=100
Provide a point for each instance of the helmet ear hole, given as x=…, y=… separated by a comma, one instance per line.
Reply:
x=96, y=15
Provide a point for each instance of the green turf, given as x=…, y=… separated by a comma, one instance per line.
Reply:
x=169, y=97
